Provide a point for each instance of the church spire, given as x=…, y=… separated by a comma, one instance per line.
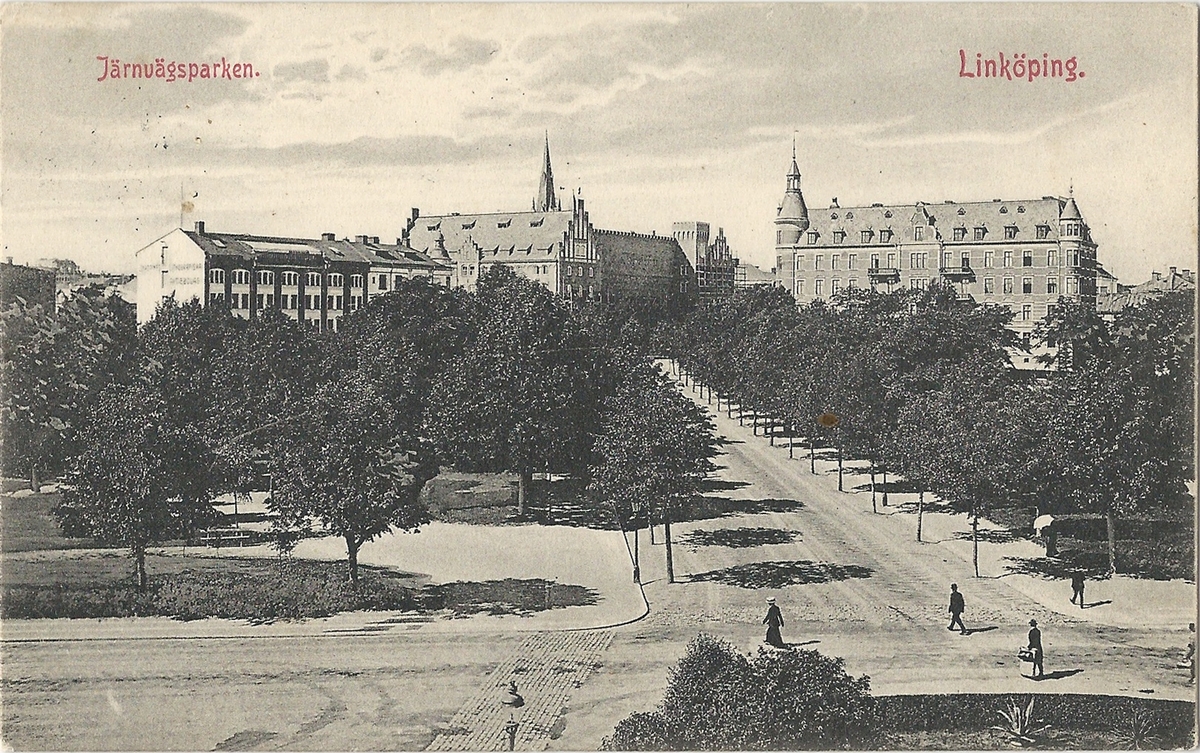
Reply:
x=546, y=199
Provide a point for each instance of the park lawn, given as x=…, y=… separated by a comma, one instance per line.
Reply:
x=27, y=524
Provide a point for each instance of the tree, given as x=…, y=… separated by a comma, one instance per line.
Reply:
x=54, y=364
x=654, y=451
x=1074, y=332
x=139, y=478
x=719, y=699
x=343, y=465
x=516, y=398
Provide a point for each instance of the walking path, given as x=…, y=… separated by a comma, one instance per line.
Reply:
x=546, y=668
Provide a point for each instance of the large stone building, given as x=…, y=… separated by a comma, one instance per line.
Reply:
x=1024, y=254
x=558, y=247
x=33, y=285
x=715, y=264
x=1113, y=301
x=313, y=280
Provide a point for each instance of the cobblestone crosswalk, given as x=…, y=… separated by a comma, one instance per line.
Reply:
x=546, y=667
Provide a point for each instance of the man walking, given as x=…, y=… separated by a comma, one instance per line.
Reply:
x=774, y=621
x=1077, y=587
x=1035, y=645
x=957, y=606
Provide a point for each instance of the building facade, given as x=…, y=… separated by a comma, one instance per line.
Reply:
x=715, y=264
x=649, y=268
x=751, y=276
x=1023, y=254
x=33, y=285
x=315, y=281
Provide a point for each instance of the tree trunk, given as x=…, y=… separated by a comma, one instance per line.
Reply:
x=812, y=456
x=352, y=546
x=873, y=508
x=667, y=541
x=756, y=423
x=1110, y=523
x=637, y=563
x=920, y=511
x=791, y=441
x=35, y=483
x=139, y=566
x=840, y=489
x=524, y=482
x=975, y=541
x=771, y=429
x=885, y=486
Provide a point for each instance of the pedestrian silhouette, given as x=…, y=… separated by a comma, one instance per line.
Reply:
x=957, y=606
x=1035, y=645
x=1077, y=588
x=774, y=621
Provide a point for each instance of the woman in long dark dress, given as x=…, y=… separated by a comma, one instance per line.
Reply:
x=774, y=621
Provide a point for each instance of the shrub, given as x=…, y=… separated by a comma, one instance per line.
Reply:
x=1021, y=723
x=719, y=699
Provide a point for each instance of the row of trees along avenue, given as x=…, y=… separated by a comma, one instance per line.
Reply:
x=152, y=425
x=921, y=384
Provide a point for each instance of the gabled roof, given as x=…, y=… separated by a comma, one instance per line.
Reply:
x=314, y=250
x=530, y=233
x=993, y=216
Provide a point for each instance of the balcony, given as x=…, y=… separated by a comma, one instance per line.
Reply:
x=889, y=275
x=957, y=274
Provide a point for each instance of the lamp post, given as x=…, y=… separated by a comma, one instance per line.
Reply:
x=513, y=700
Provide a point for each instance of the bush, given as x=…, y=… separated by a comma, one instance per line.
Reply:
x=720, y=699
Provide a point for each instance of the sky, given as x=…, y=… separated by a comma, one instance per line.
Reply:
x=655, y=113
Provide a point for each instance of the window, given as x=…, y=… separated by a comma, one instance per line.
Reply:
x=835, y=261
x=891, y=258
x=852, y=282
x=246, y=297
x=260, y=300
x=818, y=287
x=866, y=236
x=1008, y=258
x=778, y=237
x=798, y=262
x=989, y=284
x=918, y=283
x=266, y=277
x=336, y=280
x=1026, y=258
x=818, y=261
x=1043, y=232
x=290, y=278
x=1010, y=233
x=1026, y=285
x=356, y=281
x=1073, y=258
x=1026, y=312
x=851, y=261
x=945, y=261
x=874, y=261
x=835, y=286
x=918, y=261
x=1071, y=229
x=1072, y=286
x=1008, y=285
x=839, y=236
x=989, y=259
x=1052, y=258
x=215, y=298
x=383, y=282
x=241, y=276
x=918, y=233
x=980, y=232
x=885, y=236
x=960, y=233
x=216, y=276
x=812, y=238
x=313, y=280
x=270, y=300
x=799, y=288
x=965, y=258
x=397, y=281
x=592, y=271
x=1052, y=285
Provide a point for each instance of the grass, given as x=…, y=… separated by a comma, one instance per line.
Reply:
x=27, y=524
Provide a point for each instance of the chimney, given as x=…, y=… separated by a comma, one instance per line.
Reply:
x=8, y=260
x=375, y=239
x=1172, y=271
x=1156, y=275
x=402, y=240
x=362, y=239
x=200, y=227
x=834, y=204
x=329, y=236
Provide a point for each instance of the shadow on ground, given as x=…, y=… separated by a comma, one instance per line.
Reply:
x=710, y=507
x=1094, y=565
x=500, y=597
x=781, y=574
x=990, y=536
x=738, y=538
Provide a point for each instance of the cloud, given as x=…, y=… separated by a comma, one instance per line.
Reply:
x=316, y=71
x=351, y=72
x=463, y=53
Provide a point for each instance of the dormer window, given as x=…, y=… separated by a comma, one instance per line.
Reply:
x=980, y=232
x=839, y=236
x=812, y=237
x=1003, y=210
x=918, y=233
x=1020, y=210
x=961, y=211
x=1010, y=232
x=866, y=236
x=849, y=215
x=960, y=233
x=469, y=225
x=888, y=214
x=833, y=216
x=1043, y=232
x=885, y=236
